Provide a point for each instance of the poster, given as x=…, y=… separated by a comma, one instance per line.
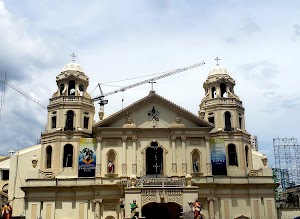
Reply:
x=218, y=156
x=87, y=158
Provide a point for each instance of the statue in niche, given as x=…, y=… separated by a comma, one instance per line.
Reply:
x=111, y=167
x=196, y=166
x=129, y=123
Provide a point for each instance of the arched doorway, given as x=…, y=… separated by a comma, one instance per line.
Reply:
x=169, y=210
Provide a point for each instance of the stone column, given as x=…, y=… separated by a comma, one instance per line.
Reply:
x=208, y=157
x=97, y=208
x=211, y=207
x=99, y=157
x=124, y=167
x=134, y=166
x=184, y=166
x=174, y=164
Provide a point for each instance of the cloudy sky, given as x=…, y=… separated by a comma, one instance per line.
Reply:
x=258, y=42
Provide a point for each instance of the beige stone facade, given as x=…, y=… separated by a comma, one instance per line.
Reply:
x=153, y=151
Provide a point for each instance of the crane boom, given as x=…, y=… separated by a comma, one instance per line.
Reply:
x=167, y=74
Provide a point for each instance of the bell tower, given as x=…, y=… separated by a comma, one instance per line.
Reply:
x=70, y=117
x=223, y=108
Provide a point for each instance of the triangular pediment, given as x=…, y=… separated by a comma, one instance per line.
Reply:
x=153, y=111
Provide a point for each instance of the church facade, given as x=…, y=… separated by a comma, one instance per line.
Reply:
x=153, y=151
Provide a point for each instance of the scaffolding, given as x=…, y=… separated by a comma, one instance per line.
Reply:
x=287, y=162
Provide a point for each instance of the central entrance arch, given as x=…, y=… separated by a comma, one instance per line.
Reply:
x=169, y=210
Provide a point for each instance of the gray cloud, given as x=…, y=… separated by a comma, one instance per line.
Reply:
x=262, y=72
x=20, y=124
x=231, y=40
x=249, y=27
x=297, y=29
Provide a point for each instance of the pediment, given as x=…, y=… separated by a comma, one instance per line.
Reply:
x=153, y=111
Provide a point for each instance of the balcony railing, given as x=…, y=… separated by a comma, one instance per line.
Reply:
x=229, y=101
x=63, y=99
x=146, y=182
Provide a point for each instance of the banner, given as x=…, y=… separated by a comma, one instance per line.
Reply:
x=218, y=156
x=87, y=158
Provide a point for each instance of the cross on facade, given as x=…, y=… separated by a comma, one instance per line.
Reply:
x=217, y=59
x=73, y=57
x=156, y=167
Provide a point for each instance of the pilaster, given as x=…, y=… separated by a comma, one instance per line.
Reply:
x=124, y=166
x=134, y=165
x=99, y=157
x=174, y=164
x=184, y=165
x=97, y=203
x=208, y=157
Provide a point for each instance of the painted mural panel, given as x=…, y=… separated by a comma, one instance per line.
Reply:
x=87, y=158
x=218, y=156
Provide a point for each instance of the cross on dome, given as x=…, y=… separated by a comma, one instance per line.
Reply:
x=73, y=57
x=217, y=59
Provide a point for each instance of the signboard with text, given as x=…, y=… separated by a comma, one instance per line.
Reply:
x=87, y=158
x=218, y=156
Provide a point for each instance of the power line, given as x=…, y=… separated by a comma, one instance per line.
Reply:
x=21, y=92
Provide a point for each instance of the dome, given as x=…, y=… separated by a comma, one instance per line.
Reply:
x=72, y=67
x=218, y=71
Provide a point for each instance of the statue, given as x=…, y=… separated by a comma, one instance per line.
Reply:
x=197, y=208
x=111, y=167
x=196, y=166
x=129, y=123
x=177, y=123
x=133, y=207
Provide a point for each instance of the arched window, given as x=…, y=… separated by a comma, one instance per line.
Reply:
x=213, y=92
x=232, y=156
x=211, y=118
x=69, y=121
x=196, y=155
x=48, y=156
x=154, y=159
x=111, y=160
x=240, y=120
x=223, y=90
x=228, y=126
x=71, y=90
x=68, y=156
x=61, y=88
x=246, y=154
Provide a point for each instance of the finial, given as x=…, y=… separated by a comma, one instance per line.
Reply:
x=217, y=59
x=73, y=57
x=11, y=152
x=152, y=82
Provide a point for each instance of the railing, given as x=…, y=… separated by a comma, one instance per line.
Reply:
x=230, y=101
x=70, y=99
x=147, y=182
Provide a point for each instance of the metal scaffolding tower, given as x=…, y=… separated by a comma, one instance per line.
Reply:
x=287, y=162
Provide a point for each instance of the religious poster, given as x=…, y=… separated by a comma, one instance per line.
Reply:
x=218, y=156
x=87, y=158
